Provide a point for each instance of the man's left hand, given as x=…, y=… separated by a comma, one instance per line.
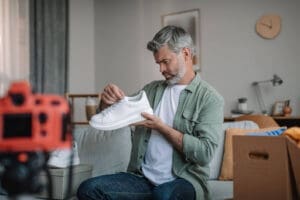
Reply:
x=154, y=122
x=151, y=121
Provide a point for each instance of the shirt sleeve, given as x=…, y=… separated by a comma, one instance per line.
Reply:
x=200, y=146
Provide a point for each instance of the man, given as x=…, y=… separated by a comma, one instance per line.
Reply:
x=171, y=149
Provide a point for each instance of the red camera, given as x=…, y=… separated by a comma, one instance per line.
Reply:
x=33, y=122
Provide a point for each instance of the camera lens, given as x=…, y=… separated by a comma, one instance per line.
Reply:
x=17, y=99
x=55, y=102
x=43, y=118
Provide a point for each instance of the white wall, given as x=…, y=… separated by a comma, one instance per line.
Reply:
x=232, y=54
x=82, y=53
x=81, y=45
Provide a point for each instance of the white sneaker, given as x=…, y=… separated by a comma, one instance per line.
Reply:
x=60, y=158
x=123, y=113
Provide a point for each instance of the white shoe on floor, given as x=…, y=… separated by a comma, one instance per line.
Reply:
x=123, y=113
x=60, y=158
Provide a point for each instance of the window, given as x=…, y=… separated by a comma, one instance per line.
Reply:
x=14, y=42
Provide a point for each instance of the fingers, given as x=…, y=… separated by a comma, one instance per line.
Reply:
x=105, y=98
x=148, y=122
x=141, y=123
x=145, y=123
x=148, y=116
x=111, y=94
x=120, y=93
x=114, y=91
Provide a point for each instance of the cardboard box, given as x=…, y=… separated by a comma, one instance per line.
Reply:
x=263, y=168
x=294, y=153
x=60, y=180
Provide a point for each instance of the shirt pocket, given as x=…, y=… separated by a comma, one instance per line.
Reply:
x=190, y=121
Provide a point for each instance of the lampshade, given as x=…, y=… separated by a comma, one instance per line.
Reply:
x=276, y=80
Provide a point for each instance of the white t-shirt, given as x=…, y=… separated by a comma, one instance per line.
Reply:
x=157, y=164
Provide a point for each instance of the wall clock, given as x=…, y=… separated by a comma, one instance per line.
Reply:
x=268, y=26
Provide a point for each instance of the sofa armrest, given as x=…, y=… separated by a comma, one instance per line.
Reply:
x=215, y=164
x=106, y=151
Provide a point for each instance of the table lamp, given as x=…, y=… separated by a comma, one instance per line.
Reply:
x=276, y=80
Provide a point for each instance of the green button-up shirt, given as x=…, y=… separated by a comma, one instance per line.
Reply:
x=199, y=117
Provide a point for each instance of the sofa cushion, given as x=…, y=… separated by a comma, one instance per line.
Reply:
x=275, y=132
x=221, y=189
x=263, y=121
x=227, y=164
x=106, y=151
x=215, y=164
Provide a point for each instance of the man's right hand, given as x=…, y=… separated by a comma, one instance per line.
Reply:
x=110, y=95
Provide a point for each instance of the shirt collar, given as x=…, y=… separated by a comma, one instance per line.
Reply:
x=194, y=83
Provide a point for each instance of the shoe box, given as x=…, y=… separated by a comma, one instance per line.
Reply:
x=266, y=167
x=60, y=178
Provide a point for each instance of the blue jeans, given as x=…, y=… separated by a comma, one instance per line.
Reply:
x=129, y=186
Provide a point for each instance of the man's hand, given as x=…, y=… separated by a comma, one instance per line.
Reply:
x=153, y=122
x=110, y=95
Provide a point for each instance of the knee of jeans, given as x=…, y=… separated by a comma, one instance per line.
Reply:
x=158, y=195
x=83, y=189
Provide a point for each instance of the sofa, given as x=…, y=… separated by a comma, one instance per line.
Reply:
x=109, y=152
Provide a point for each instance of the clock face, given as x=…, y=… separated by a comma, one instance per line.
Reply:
x=268, y=26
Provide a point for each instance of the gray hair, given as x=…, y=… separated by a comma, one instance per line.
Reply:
x=175, y=37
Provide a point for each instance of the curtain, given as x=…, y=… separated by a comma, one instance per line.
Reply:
x=49, y=45
x=14, y=42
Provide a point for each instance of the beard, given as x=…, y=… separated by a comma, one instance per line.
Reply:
x=180, y=73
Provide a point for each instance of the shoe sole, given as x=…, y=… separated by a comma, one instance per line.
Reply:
x=64, y=164
x=125, y=122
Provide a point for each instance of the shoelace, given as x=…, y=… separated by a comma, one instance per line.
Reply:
x=110, y=109
x=57, y=152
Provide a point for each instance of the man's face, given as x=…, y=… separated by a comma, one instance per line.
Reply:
x=171, y=65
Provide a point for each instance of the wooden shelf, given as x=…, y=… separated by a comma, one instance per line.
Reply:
x=280, y=120
x=80, y=95
x=289, y=117
x=287, y=121
x=71, y=98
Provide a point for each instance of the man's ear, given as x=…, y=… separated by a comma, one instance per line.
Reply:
x=186, y=52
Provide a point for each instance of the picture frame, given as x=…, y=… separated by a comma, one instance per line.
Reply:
x=278, y=108
x=189, y=20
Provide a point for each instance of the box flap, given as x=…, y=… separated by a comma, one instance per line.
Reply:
x=294, y=153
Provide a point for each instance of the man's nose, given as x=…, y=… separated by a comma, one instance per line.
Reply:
x=162, y=67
